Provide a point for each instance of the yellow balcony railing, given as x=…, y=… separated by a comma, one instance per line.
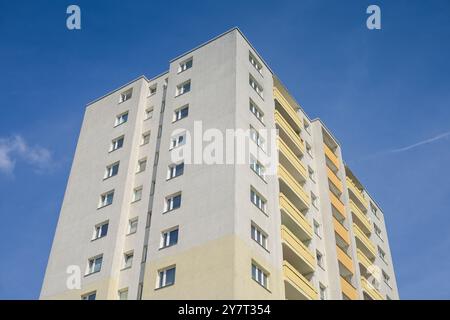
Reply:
x=348, y=289
x=287, y=108
x=297, y=189
x=294, y=138
x=331, y=156
x=369, y=247
x=361, y=217
x=362, y=259
x=338, y=205
x=341, y=231
x=334, y=180
x=358, y=194
x=292, y=158
x=298, y=247
x=344, y=259
x=370, y=289
x=299, y=282
x=295, y=215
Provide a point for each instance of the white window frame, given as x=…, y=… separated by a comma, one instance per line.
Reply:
x=175, y=141
x=152, y=89
x=133, y=225
x=89, y=294
x=260, y=275
x=98, y=230
x=92, y=263
x=104, y=199
x=177, y=114
x=166, y=237
x=169, y=202
x=142, y=165
x=183, y=88
x=121, y=118
x=126, y=95
x=173, y=169
x=121, y=292
x=258, y=235
x=256, y=111
x=322, y=291
x=256, y=86
x=317, y=228
x=109, y=172
x=115, y=143
x=145, y=138
x=161, y=279
x=185, y=65
x=149, y=113
x=256, y=137
x=137, y=193
x=314, y=200
x=128, y=259
x=319, y=258
x=258, y=200
x=255, y=63
x=258, y=168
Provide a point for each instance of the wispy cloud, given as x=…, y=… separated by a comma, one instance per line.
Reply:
x=16, y=148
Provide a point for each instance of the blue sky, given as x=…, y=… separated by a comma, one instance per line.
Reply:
x=378, y=91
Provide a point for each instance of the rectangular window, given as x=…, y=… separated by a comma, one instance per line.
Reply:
x=152, y=90
x=94, y=264
x=323, y=292
x=169, y=238
x=183, y=88
x=111, y=170
x=128, y=259
x=309, y=149
x=374, y=210
x=314, y=200
x=256, y=86
x=142, y=164
x=255, y=62
x=126, y=95
x=311, y=174
x=175, y=170
x=317, y=229
x=186, y=64
x=381, y=254
x=89, y=296
x=386, y=278
x=148, y=113
x=106, y=199
x=258, y=168
x=123, y=294
x=145, y=138
x=258, y=200
x=259, y=275
x=121, y=118
x=307, y=126
x=177, y=141
x=137, y=194
x=256, y=111
x=377, y=231
x=259, y=236
x=172, y=202
x=180, y=113
x=166, y=277
x=256, y=137
x=132, y=225
x=319, y=257
x=116, y=143
x=100, y=230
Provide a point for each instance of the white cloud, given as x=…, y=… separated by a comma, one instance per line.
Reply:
x=420, y=143
x=16, y=148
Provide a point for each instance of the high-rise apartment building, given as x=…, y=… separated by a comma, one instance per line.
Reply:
x=144, y=218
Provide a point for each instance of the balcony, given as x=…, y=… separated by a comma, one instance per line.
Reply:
x=331, y=156
x=370, y=290
x=363, y=242
x=294, y=219
x=292, y=159
x=287, y=133
x=359, y=196
x=363, y=260
x=341, y=231
x=335, y=180
x=297, y=286
x=345, y=260
x=287, y=109
x=364, y=221
x=338, y=205
x=296, y=191
x=349, y=290
x=296, y=252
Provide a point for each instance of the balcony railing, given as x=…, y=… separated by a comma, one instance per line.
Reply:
x=362, y=259
x=358, y=194
x=296, y=188
x=348, y=289
x=295, y=215
x=370, y=289
x=334, y=180
x=369, y=247
x=299, y=282
x=331, y=156
x=294, y=138
x=345, y=260
x=338, y=205
x=292, y=158
x=298, y=247
x=363, y=219
x=287, y=108
x=341, y=231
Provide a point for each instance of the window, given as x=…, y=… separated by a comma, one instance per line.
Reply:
x=106, y=199
x=255, y=62
x=89, y=296
x=255, y=136
x=258, y=200
x=126, y=95
x=100, y=230
x=94, y=264
x=180, y=113
x=259, y=275
x=123, y=294
x=116, y=143
x=166, y=277
x=183, y=88
x=132, y=225
x=186, y=64
x=257, y=167
x=311, y=174
x=259, y=236
x=128, y=260
x=142, y=164
x=314, y=200
x=255, y=85
x=323, y=292
x=121, y=118
x=145, y=138
x=148, y=113
x=137, y=194
x=374, y=210
x=177, y=141
x=172, y=202
x=317, y=229
x=111, y=170
x=175, y=170
x=169, y=238
x=319, y=257
x=307, y=126
x=377, y=231
x=152, y=90
x=309, y=149
x=256, y=111
x=386, y=278
x=381, y=254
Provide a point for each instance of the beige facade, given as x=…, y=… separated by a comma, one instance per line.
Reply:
x=139, y=224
